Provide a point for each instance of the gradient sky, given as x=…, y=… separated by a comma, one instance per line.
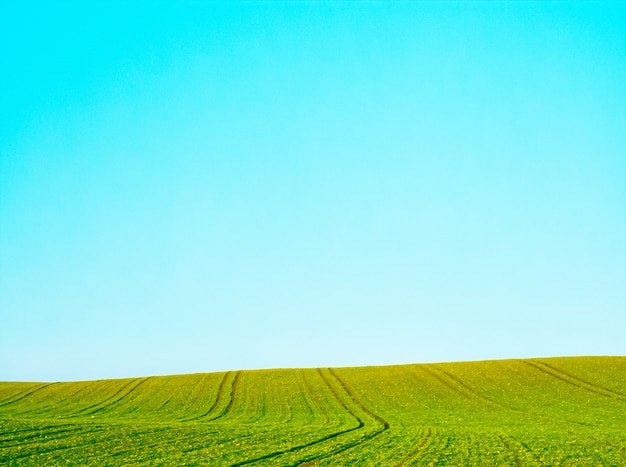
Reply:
x=195, y=186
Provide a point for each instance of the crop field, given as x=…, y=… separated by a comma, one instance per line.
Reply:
x=557, y=412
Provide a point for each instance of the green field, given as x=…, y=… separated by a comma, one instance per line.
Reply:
x=557, y=411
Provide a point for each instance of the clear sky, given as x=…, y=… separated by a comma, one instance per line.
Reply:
x=197, y=186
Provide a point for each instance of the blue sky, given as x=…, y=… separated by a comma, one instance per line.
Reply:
x=194, y=186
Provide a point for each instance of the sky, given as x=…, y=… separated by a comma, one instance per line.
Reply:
x=202, y=186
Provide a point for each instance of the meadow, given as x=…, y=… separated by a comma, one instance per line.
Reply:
x=533, y=412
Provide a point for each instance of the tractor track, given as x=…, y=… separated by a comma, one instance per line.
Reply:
x=227, y=386
x=308, y=459
x=318, y=441
x=364, y=438
x=38, y=437
x=74, y=445
x=28, y=393
x=65, y=400
x=507, y=440
x=446, y=383
x=507, y=446
x=466, y=390
x=114, y=399
x=105, y=402
x=510, y=414
x=575, y=381
x=418, y=450
x=218, y=398
x=358, y=401
x=33, y=429
x=482, y=397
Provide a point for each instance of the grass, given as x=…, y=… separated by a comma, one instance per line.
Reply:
x=558, y=411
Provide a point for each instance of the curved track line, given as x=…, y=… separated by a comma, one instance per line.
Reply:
x=233, y=394
x=417, y=451
x=361, y=424
x=310, y=401
x=300, y=447
x=498, y=403
x=111, y=399
x=618, y=447
x=112, y=437
x=38, y=437
x=104, y=401
x=582, y=381
x=123, y=396
x=290, y=418
x=160, y=407
x=476, y=393
x=221, y=390
x=8, y=436
x=555, y=374
x=38, y=452
x=72, y=446
x=8, y=433
x=297, y=448
x=358, y=402
x=524, y=446
x=18, y=393
x=232, y=391
x=507, y=446
x=28, y=393
x=66, y=400
x=364, y=437
x=333, y=391
x=231, y=401
x=432, y=372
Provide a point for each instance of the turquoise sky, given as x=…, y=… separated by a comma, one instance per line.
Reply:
x=197, y=186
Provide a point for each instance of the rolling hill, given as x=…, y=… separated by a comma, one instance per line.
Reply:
x=567, y=411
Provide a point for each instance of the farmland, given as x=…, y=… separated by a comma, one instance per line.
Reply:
x=557, y=411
